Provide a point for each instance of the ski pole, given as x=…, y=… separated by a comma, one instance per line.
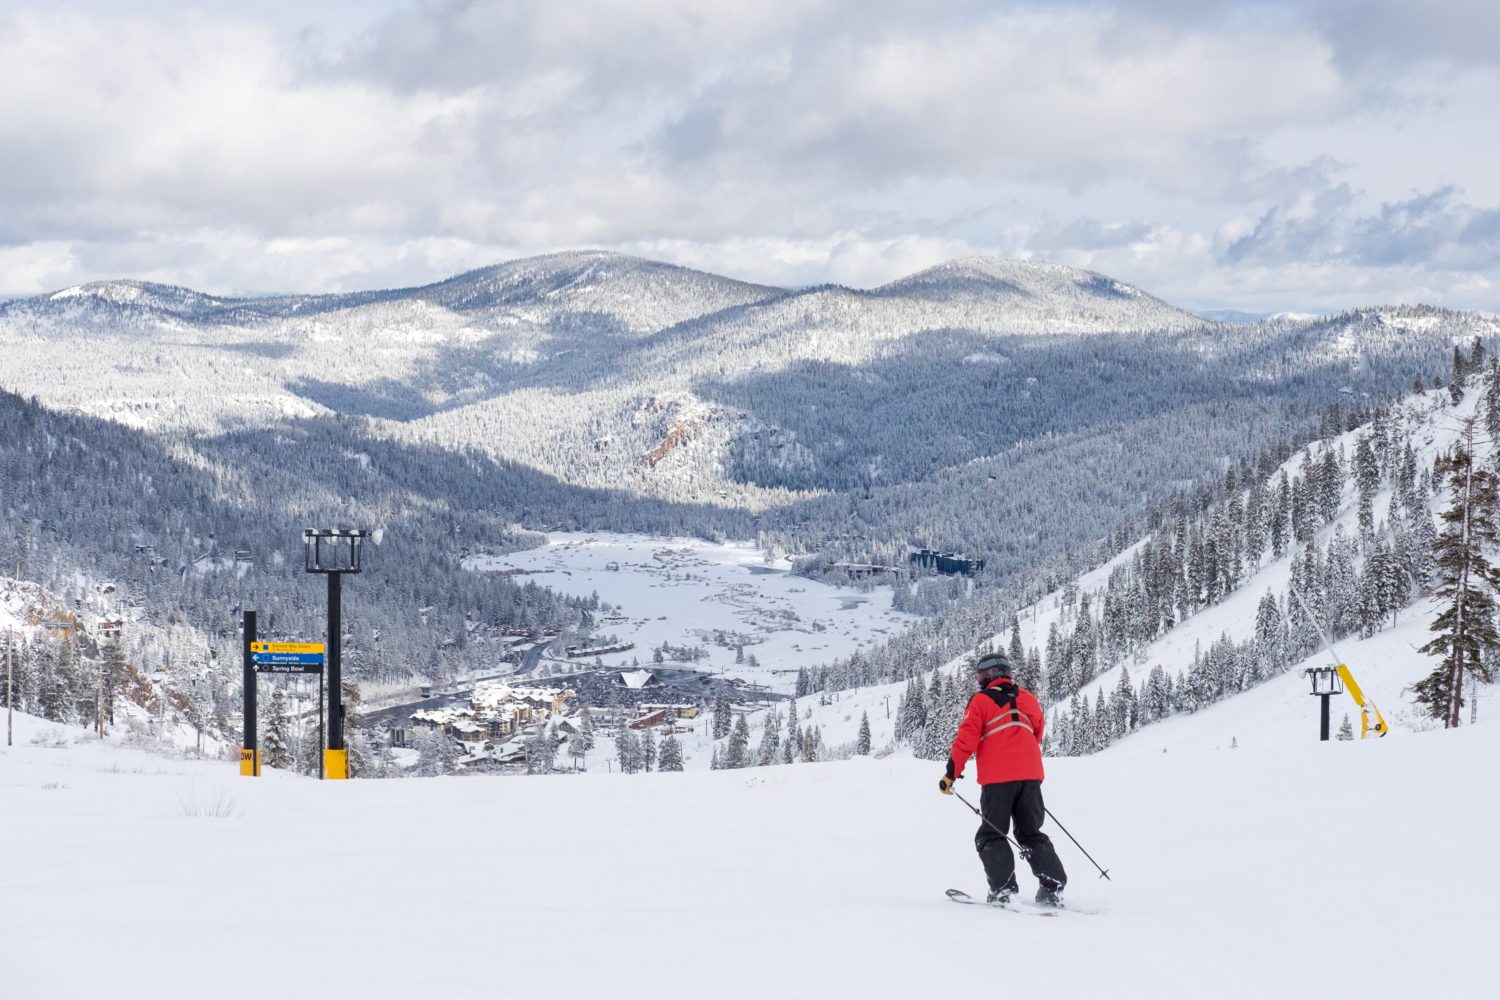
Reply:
x=1102, y=872
x=1025, y=854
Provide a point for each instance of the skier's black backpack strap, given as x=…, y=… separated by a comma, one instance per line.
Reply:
x=1004, y=696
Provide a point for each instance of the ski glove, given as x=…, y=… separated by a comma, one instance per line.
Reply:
x=945, y=785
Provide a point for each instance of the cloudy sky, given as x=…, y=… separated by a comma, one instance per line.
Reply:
x=1252, y=155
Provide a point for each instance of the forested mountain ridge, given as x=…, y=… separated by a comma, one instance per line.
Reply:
x=1018, y=412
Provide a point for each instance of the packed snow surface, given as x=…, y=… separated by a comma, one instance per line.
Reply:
x=1275, y=872
x=688, y=592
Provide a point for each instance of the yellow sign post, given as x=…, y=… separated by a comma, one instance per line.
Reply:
x=336, y=764
x=249, y=762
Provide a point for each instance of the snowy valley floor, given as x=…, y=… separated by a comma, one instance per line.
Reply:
x=1320, y=871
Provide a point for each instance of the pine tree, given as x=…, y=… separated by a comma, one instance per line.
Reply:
x=669, y=755
x=1016, y=652
x=1466, y=583
x=737, y=754
x=862, y=741
x=54, y=687
x=116, y=672
x=1346, y=729
x=1084, y=650
x=450, y=751
x=648, y=750
x=723, y=715
x=430, y=752
x=585, y=737
x=1367, y=481
x=1280, y=519
x=628, y=750
x=770, y=739
x=278, y=742
x=363, y=762
x=792, y=748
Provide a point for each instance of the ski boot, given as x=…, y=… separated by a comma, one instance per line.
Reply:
x=1049, y=894
x=1001, y=896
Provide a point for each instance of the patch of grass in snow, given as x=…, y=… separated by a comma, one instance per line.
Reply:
x=116, y=768
x=218, y=804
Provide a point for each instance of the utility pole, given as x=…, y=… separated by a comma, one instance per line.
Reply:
x=10, y=662
x=10, y=698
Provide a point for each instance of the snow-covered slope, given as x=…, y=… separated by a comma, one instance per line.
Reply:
x=1280, y=711
x=1252, y=873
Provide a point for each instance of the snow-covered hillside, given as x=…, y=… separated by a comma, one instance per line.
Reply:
x=1248, y=873
x=1382, y=654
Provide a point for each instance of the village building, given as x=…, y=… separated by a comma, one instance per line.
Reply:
x=495, y=713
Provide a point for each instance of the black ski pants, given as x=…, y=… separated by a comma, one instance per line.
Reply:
x=1020, y=801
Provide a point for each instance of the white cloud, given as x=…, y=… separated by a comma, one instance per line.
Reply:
x=1168, y=143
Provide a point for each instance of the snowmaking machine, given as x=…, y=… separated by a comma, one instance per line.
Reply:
x=1367, y=708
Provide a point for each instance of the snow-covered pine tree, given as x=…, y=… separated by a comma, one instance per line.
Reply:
x=1367, y=482
x=278, y=742
x=116, y=672
x=1467, y=583
x=363, y=761
x=1278, y=525
x=1456, y=377
x=792, y=747
x=669, y=755
x=628, y=750
x=770, y=739
x=54, y=690
x=737, y=754
x=450, y=751
x=429, y=753
x=723, y=715
x=1346, y=729
x=862, y=741
x=1017, y=652
x=648, y=751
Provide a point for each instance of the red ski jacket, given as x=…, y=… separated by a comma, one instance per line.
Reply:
x=1009, y=743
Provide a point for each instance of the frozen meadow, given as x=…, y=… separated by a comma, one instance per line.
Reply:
x=688, y=592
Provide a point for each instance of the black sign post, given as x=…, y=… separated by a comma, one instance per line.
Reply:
x=249, y=749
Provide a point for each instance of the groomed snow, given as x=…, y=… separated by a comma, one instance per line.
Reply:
x=1305, y=870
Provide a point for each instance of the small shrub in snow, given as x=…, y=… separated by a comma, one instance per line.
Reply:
x=216, y=805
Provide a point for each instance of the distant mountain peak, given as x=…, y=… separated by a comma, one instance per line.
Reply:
x=1020, y=274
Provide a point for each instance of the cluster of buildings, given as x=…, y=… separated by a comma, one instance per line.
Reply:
x=491, y=726
x=495, y=712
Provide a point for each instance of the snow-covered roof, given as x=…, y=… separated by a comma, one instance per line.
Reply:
x=636, y=679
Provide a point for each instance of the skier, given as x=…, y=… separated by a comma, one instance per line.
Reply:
x=1003, y=723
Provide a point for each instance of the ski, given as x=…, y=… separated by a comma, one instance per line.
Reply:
x=1014, y=906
